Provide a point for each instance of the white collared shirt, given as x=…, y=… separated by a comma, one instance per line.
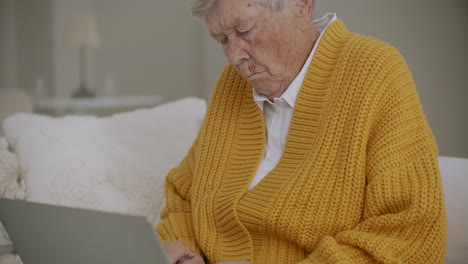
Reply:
x=278, y=114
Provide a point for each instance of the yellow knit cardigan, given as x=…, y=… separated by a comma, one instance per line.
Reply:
x=358, y=181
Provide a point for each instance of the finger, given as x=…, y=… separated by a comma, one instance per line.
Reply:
x=175, y=259
x=195, y=260
x=199, y=260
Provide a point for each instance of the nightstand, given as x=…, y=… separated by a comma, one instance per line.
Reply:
x=94, y=106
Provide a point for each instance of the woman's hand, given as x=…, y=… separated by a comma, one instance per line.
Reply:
x=178, y=253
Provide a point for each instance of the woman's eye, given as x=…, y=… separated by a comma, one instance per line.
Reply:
x=244, y=32
x=223, y=41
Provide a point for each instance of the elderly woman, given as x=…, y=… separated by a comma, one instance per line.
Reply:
x=314, y=149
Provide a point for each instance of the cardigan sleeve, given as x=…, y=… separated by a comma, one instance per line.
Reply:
x=176, y=216
x=403, y=219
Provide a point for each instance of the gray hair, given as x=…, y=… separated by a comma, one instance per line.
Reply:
x=200, y=7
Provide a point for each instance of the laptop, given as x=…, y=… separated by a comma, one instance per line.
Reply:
x=46, y=234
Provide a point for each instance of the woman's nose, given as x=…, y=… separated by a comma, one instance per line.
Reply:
x=235, y=51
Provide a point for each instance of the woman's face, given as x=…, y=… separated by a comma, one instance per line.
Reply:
x=259, y=42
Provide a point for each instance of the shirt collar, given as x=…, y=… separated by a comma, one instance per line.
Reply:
x=292, y=91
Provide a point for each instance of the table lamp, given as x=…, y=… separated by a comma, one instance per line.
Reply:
x=83, y=35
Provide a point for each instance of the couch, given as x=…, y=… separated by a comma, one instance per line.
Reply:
x=118, y=164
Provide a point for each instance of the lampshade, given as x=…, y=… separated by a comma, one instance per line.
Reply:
x=83, y=32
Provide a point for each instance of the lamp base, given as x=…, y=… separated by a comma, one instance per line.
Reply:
x=83, y=92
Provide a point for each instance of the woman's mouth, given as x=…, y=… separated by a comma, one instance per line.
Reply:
x=251, y=75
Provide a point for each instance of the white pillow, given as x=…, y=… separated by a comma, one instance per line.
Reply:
x=113, y=164
x=11, y=186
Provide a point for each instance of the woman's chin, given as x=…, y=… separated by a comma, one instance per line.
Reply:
x=257, y=81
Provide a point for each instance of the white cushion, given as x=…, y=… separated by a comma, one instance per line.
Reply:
x=11, y=186
x=113, y=164
x=454, y=172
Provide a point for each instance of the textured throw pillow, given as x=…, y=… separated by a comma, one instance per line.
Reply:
x=115, y=164
x=11, y=185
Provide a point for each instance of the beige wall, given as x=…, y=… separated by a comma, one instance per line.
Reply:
x=25, y=43
x=8, y=58
x=149, y=47
x=34, y=43
x=431, y=34
x=214, y=61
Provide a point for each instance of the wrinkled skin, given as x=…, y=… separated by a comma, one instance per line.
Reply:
x=178, y=253
x=267, y=47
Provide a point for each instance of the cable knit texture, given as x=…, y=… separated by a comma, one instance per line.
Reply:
x=358, y=181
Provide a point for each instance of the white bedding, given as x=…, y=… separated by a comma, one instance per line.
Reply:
x=115, y=164
x=11, y=186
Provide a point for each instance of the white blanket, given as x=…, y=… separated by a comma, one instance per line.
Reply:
x=115, y=164
x=11, y=186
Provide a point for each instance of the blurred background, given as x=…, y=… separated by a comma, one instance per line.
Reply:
x=140, y=53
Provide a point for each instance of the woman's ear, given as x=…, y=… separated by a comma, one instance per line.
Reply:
x=303, y=8
x=303, y=13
